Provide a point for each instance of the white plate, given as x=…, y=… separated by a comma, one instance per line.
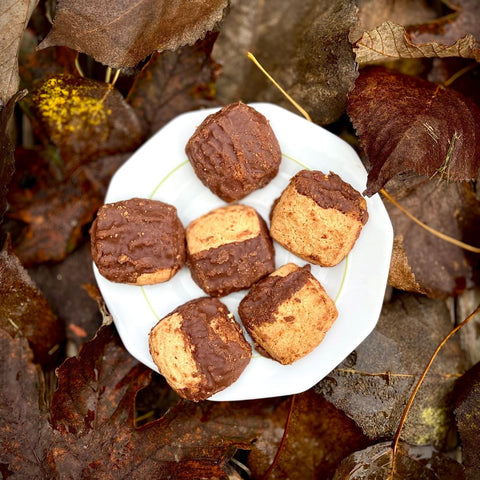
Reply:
x=160, y=170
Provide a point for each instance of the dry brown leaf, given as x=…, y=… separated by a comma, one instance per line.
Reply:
x=121, y=33
x=422, y=262
x=55, y=212
x=372, y=13
x=14, y=16
x=82, y=119
x=24, y=311
x=7, y=147
x=309, y=451
x=462, y=21
x=306, y=50
x=172, y=83
x=373, y=384
x=467, y=416
x=408, y=124
x=410, y=462
x=391, y=41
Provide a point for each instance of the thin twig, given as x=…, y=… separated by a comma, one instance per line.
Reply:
x=420, y=380
x=282, y=443
x=78, y=66
x=287, y=96
x=438, y=234
x=431, y=230
x=458, y=74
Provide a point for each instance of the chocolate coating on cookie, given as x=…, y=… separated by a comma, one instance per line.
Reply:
x=199, y=348
x=234, y=152
x=138, y=241
x=229, y=249
x=318, y=217
x=330, y=191
x=287, y=313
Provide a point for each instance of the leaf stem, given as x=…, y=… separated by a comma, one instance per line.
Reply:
x=78, y=66
x=438, y=234
x=287, y=96
x=431, y=230
x=420, y=380
x=458, y=74
x=282, y=443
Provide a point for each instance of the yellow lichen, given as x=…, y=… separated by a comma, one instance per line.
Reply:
x=436, y=421
x=69, y=108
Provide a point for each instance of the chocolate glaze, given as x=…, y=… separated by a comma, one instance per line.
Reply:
x=330, y=191
x=234, y=266
x=136, y=236
x=263, y=299
x=234, y=152
x=219, y=362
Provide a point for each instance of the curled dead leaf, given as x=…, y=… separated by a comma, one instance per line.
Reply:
x=392, y=41
x=408, y=124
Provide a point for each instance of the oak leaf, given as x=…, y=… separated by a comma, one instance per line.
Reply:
x=408, y=124
x=373, y=384
x=92, y=432
x=122, y=33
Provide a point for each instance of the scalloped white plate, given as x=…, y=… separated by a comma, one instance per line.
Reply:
x=160, y=170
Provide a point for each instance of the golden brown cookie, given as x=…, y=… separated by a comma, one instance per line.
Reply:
x=199, y=348
x=318, y=217
x=287, y=313
x=234, y=151
x=229, y=249
x=138, y=241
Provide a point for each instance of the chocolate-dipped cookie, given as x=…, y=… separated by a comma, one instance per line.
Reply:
x=287, y=313
x=318, y=217
x=138, y=241
x=229, y=249
x=199, y=348
x=234, y=151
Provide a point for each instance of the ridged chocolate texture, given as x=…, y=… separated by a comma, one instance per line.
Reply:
x=234, y=152
x=287, y=313
x=246, y=256
x=138, y=241
x=199, y=348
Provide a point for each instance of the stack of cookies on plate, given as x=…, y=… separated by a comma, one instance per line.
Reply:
x=199, y=347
